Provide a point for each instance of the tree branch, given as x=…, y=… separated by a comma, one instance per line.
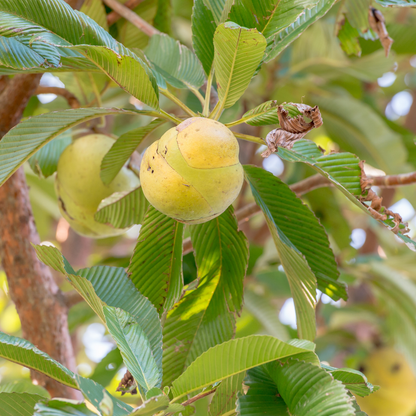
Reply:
x=114, y=17
x=391, y=181
x=72, y=100
x=132, y=17
x=38, y=300
x=71, y=298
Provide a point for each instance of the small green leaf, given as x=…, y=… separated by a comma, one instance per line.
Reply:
x=238, y=53
x=156, y=265
x=123, y=148
x=62, y=407
x=266, y=113
x=225, y=396
x=152, y=406
x=134, y=346
x=107, y=368
x=123, y=209
x=22, y=352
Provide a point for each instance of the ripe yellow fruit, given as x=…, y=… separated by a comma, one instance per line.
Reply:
x=193, y=174
x=80, y=188
x=397, y=395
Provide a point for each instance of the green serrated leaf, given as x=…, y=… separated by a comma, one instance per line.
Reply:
x=175, y=62
x=238, y=52
x=156, y=265
x=23, y=352
x=123, y=209
x=205, y=316
x=123, y=148
x=233, y=357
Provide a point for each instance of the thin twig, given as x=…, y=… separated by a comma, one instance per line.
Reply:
x=132, y=17
x=72, y=298
x=72, y=100
x=177, y=101
x=391, y=181
x=114, y=17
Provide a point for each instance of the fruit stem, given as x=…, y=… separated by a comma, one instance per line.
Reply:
x=214, y=111
x=205, y=111
x=239, y=121
x=249, y=138
x=177, y=101
x=97, y=94
x=167, y=116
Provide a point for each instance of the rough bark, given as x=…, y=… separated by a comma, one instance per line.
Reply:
x=39, y=302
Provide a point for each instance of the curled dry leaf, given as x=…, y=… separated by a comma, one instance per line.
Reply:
x=127, y=384
x=292, y=128
x=376, y=208
x=377, y=23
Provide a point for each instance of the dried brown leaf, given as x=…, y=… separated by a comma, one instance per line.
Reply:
x=292, y=128
x=127, y=384
x=377, y=23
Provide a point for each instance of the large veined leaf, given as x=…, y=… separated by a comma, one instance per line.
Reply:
x=156, y=265
x=61, y=407
x=262, y=397
x=281, y=22
x=95, y=394
x=231, y=358
x=31, y=135
x=103, y=285
x=134, y=346
x=18, y=404
x=299, y=224
x=175, y=62
x=57, y=27
x=123, y=209
x=96, y=10
x=203, y=29
x=397, y=3
x=355, y=381
x=45, y=161
x=283, y=213
x=268, y=316
x=223, y=402
x=238, y=52
x=342, y=169
x=123, y=148
x=205, y=316
x=309, y=390
x=23, y=352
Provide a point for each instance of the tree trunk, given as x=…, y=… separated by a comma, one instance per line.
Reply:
x=39, y=302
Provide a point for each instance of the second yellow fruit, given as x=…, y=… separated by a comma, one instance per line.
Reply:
x=193, y=173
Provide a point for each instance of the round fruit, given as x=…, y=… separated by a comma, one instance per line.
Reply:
x=389, y=369
x=79, y=186
x=192, y=173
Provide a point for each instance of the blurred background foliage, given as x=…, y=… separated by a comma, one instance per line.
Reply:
x=368, y=104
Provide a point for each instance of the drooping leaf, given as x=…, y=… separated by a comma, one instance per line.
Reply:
x=238, y=52
x=268, y=316
x=96, y=10
x=23, y=352
x=134, y=346
x=224, y=400
x=203, y=29
x=175, y=62
x=348, y=36
x=62, y=407
x=281, y=208
x=18, y=404
x=123, y=209
x=103, y=285
x=205, y=316
x=308, y=389
x=123, y=148
x=156, y=265
x=45, y=161
x=95, y=394
x=32, y=134
x=355, y=381
x=233, y=357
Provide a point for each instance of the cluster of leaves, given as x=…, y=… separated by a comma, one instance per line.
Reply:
x=176, y=340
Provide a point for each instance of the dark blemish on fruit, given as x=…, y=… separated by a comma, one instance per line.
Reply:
x=152, y=171
x=186, y=185
x=395, y=368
